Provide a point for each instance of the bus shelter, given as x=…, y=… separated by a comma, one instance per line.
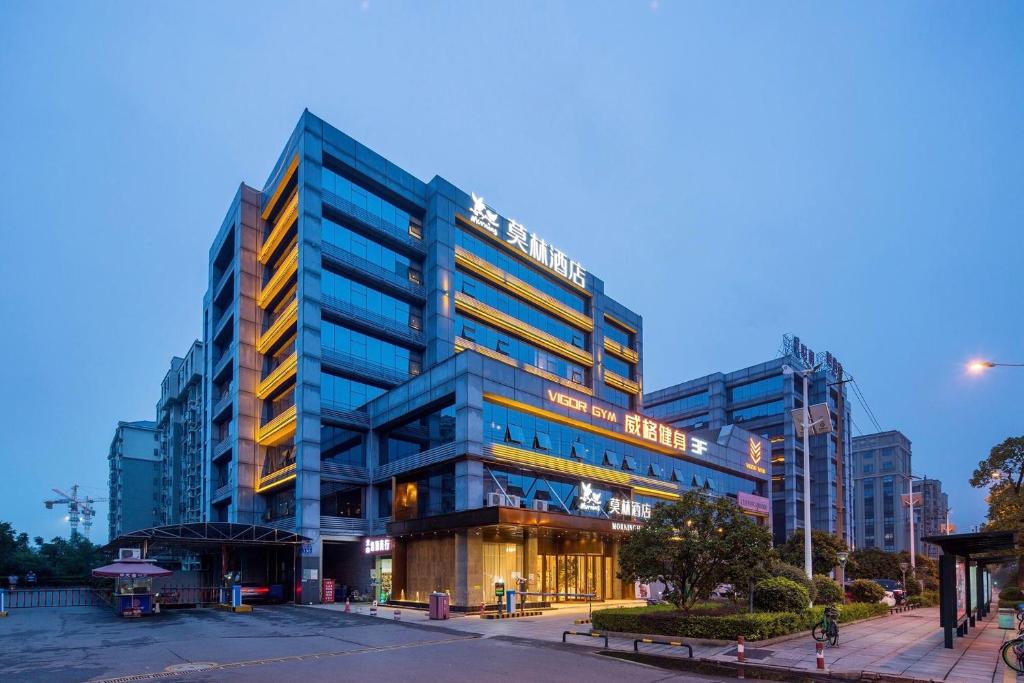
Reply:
x=965, y=583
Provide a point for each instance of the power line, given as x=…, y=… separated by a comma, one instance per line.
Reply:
x=864, y=403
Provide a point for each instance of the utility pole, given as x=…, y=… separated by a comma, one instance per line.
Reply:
x=840, y=478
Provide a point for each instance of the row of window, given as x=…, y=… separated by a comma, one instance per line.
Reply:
x=520, y=310
x=372, y=300
x=345, y=393
x=616, y=397
x=618, y=366
x=377, y=254
x=418, y=434
x=369, y=348
x=678, y=405
x=518, y=349
x=695, y=422
x=507, y=425
x=368, y=201
x=431, y=493
x=616, y=333
x=519, y=269
x=755, y=390
x=755, y=411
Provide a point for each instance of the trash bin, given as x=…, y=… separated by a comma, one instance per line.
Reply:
x=1006, y=617
x=438, y=605
x=510, y=601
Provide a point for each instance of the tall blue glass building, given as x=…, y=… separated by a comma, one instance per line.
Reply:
x=438, y=396
x=760, y=399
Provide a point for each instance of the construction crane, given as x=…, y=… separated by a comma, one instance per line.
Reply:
x=79, y=509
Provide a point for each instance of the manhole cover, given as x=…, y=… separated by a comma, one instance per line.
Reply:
x=750, y=653
x=190, y=666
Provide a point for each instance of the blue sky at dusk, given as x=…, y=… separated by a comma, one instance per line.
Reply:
x=848, y=172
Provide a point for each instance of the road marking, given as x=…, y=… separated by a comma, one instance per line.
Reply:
x=276, y=660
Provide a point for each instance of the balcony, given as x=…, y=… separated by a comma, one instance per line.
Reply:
x=224, y=361
x=343, y=526
x=624, y=352
x=510, y=283
x=276, y=478
x=278, y=430
x=277, y=234
x=222, y=447
x=338, y=472
x=282, y=276
x=387, y=281
x=221, y=492
x=377, y=325
x=493, y=316
x=278, y=376
x=621, y=383
x=281, y=522
x=220, y=406
x=275, y=332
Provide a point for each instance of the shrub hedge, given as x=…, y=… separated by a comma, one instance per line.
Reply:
x=828, y=591
x=925, y=599
x=795, y=574
x=667, y=621
x=865, y=590
x=1011, y=593
x=780, y=595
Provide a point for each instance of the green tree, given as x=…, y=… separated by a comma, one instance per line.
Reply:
x=1002, y=473
x=693, y=545
x=872, y=563
x=824, y=547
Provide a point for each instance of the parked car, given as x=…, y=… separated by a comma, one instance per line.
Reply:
x=723, y=590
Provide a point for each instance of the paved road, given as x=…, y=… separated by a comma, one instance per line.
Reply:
x=278, y=643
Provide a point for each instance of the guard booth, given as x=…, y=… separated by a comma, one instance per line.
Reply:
x=965, y=585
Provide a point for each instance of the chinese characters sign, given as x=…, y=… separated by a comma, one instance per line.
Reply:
x=629, y=508
x=376, y=546
x=516, y=236
x=636, y=425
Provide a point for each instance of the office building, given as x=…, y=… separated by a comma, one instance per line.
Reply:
x=135, y=477
x=431, y=392
x=882, y=476
x=931, y=514
x=179, y=422
x=760, y=399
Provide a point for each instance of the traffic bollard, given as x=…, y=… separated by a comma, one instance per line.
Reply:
x=481, y=609
x=398, y=615
x=740, y=656
x=348, y=607
x=373, y=609
x=820, y=647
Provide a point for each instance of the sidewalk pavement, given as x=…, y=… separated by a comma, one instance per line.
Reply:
x=907, y=645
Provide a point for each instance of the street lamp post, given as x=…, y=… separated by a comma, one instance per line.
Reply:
x=977, y=366
x=903, y=568
x=910, y=498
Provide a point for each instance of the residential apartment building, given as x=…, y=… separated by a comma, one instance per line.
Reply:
x=180, y=423
x=760, y=399
x=882, y=476
x=931, y=515
x=135, y=477
x=431, y=392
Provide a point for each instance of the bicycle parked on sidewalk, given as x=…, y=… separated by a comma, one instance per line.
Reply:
x=827, y=630
x=1012, y=651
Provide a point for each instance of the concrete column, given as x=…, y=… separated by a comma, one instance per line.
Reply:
x=469, y=591
x=399, y=570
x=469, y=484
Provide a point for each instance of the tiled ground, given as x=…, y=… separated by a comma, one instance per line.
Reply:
x=907, y=644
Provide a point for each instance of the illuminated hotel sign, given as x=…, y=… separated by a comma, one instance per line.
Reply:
x=629, y=508
x=376, y=546
x=590, y=500
x=635, y=425
x=754, y=450
x=516, y=235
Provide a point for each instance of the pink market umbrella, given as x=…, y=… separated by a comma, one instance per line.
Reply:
x=130, y=568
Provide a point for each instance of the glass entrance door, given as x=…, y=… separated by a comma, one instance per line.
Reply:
x=571, y=575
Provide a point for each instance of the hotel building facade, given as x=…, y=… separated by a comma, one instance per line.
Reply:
x=435, y=395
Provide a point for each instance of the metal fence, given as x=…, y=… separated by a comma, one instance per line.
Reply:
x=56, y=597
x=188, y=596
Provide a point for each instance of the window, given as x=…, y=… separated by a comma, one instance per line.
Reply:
x=755, y=390
x=869, y=467
x=468, y=332
x=514, y=434
x=656, y=471
x=612, y=459
x=629, y=463
x=415, y=228
x=542, y=441
x=678, y=406
x=758, y=410
x=578, y=451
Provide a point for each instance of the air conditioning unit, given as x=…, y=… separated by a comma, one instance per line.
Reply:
x=513, y=501
x=129, y=554
x=493, y=499
x=541, y=505
x=496, y=499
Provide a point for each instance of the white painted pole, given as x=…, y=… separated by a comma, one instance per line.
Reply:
x=910, y=485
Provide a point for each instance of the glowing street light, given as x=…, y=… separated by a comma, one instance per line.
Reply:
x=979, y=366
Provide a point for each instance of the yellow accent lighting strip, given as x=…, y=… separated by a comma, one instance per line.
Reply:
x=512, y=250
x=289, y=266
x=512, y=284
x=276, y=478
x=280, y=326
x=281, y=374
x=285, y=177
x=619, y=382
x=624, y=352
x=553, y=463
x=612, y=319
x=461, y=344
x=276, y=236
x=571, y=422
x=655, y=493
x=278, y=430
x=518, y=328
